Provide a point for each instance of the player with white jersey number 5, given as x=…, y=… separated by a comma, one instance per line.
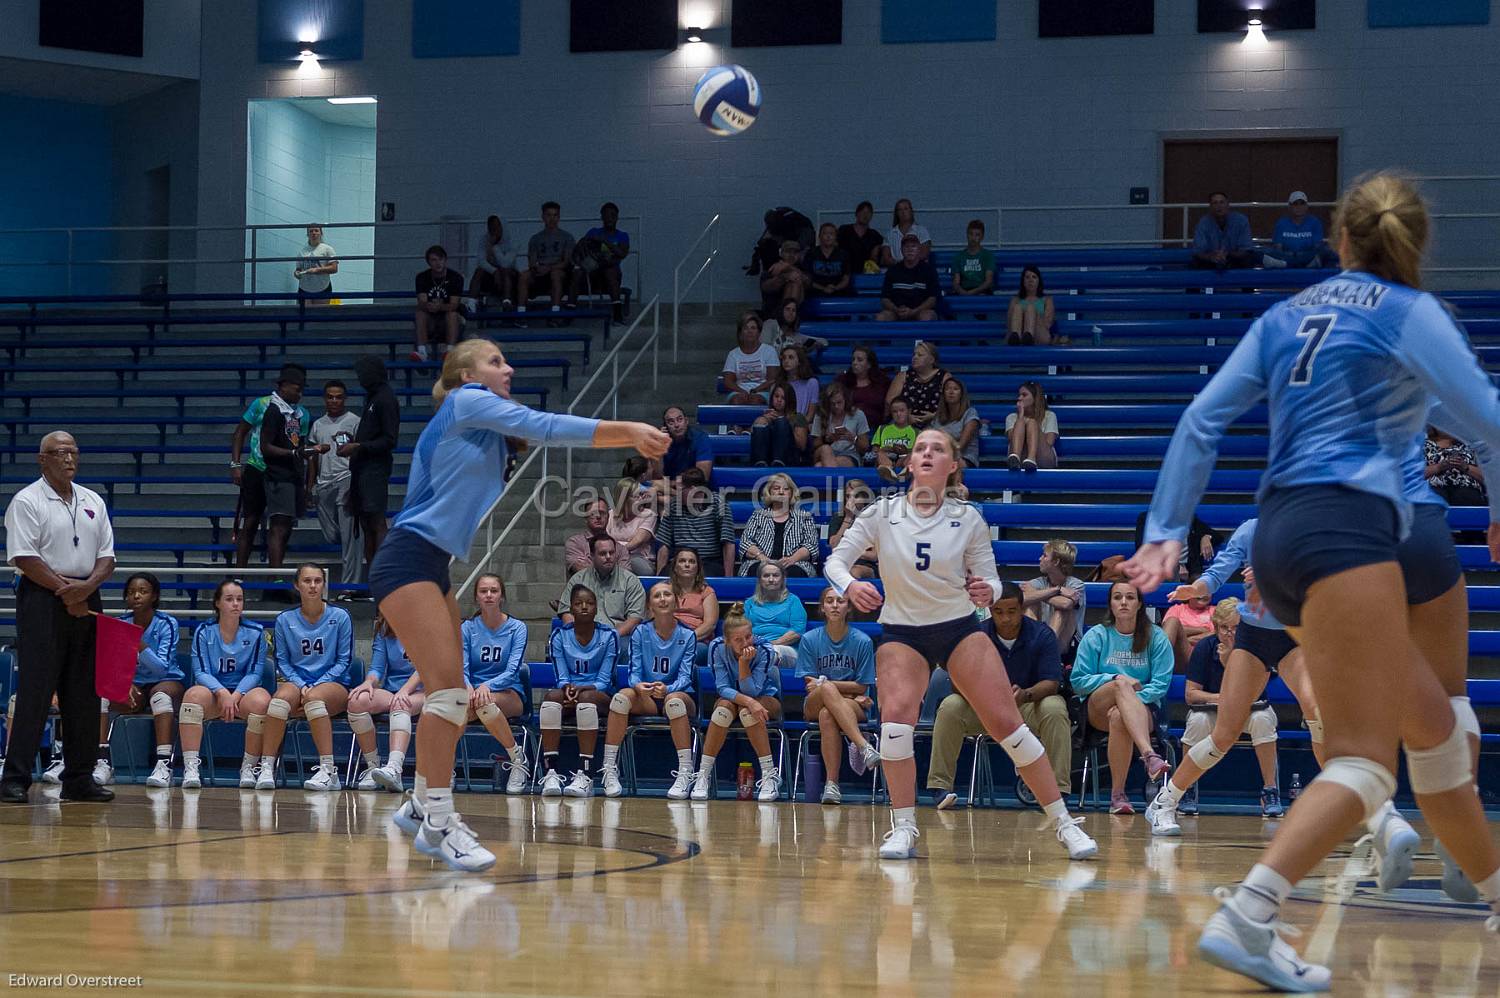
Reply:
x=937, y=565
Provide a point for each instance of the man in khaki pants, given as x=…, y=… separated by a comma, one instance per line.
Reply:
x=1028, y=648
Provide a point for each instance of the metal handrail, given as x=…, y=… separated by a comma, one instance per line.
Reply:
x=678, y=291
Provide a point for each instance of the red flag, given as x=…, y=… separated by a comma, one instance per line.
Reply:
x=116, y=644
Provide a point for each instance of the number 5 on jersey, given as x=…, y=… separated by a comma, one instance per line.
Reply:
x=1314, y=329
x=924, y=555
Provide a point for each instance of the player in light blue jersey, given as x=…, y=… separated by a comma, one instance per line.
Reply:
x=391, y=686
x=230, y=670
x=836, y=664
x=494, y=649
x=457, y=474
x=663, y=654
x=1349, y=367
x=159, y=680
x=314, y=647
x=584, y=655
x=747, y=675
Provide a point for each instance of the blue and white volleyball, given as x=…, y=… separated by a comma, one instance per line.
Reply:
x=727, y=100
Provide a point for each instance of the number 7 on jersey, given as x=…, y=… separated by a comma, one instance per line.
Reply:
x=1314, y=329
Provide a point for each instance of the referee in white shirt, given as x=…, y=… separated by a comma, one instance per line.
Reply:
x=58, y=537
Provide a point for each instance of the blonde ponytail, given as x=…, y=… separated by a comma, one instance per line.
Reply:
x=735, y=617
x=464, y=357
x=1388, y=227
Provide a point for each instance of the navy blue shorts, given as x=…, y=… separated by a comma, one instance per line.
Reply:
x=1309, y=532
x=1265, y=643
x=1429, y=561
x=404, y=558
x=934, y=642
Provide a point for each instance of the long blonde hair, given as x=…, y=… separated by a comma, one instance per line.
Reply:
x=463, y=357
x=1388, y=227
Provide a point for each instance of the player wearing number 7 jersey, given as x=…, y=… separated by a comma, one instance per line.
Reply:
x=937, y=565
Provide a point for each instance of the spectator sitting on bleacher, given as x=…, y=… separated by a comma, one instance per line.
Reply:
x=632, y=523
x=270, y=476
x=495, y=271
x=784, y=279
x=861, y=243
x=690, y=448
x=1186, y=625
x=622, y=598
x=1222, y=238
x=841, y=436
x=698, y=519
x=1452, y=470
x=1029, y=320
x=1031, y=431
x=549, y=253
x=826, y=265
x=606, y=245
x=868, y=383
x=1123, y=669
x=1057, y=597
x=315, y=263
x=1205, y=676
x=439, y=293
x=921, y=384
x=910, y=292
x=959, y=417
x=777, y=617
x=797, y=371
x=856, y=497
x=751, y=367
x=779, y=532
x=1297, y=240
x=576, y=550
x=785, y=329
x=974, y=266
x=894, y=440
x=779, y=437
x=697, y=603
x=903, y=224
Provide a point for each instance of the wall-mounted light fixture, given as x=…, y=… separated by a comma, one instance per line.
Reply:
x=692, y=34
x=1255, y=31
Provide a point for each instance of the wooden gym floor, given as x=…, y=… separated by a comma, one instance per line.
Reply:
x=238, y=892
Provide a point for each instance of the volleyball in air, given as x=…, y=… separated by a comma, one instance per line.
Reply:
x=727, y=100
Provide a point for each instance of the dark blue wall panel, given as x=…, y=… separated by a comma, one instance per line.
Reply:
x=937, y=21
x=337, y=25
x=442, y=28
x=1415, y=13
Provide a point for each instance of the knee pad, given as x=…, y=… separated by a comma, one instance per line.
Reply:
x=400, y=721
x=452, y=705
x=1023, y=747
x=1262, y=726
x=190, y=713
x=160, y=704
x=747, y=719
x=489, y=713
x=279, y=709
x=550, y=716
x=586, y=717
x=620, y=703
x=1315, y=729
x=1371, y=782
x=1463, y=713
x=723, y=716
x=1442, y=767
x=315, y=710
x=675, y=708
x=896, y=742
x=361, y=722
x=1205, y=754
x=253, y=722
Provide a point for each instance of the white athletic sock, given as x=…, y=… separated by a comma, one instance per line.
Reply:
x=396, y=760
x=189, y=757
x=610, y=752
x=1057, y=810
x=1170, y=795
x=164, y=751
x=439, y=806
x=372, y=758
x=515, y=754
x=767, y=763
x=326, y=761
x=904, y=815
x=706, y=764
x=1489, y=887
x=268, y=763
x=685, y=760
x=1261, y=893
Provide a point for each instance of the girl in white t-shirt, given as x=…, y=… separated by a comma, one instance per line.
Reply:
x=1031, y=430
x=750, y=367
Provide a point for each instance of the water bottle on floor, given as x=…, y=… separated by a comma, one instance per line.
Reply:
x=1293, y=791
x=745, y=781
x=812, y=778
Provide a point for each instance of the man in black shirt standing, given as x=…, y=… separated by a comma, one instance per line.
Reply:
x=439, y=294
x=282, y=435
x=371, y=453
x=859, y=242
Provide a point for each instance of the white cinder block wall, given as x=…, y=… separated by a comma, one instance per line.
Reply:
x=1017, y=121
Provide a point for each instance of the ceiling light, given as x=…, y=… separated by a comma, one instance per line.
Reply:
x=352, y=100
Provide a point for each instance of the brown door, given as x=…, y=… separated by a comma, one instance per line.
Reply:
x=1246, y=170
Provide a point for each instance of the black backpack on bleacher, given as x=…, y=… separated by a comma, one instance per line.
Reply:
x=781, y=224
